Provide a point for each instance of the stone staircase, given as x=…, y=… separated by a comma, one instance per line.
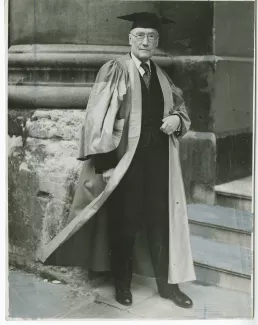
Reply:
x=236, y=194
x=221, y=237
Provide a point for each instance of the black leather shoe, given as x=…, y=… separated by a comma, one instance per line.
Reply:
x=177, y=296
x=123, y=296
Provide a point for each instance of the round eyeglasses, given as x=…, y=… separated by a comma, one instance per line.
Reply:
x=140, y=36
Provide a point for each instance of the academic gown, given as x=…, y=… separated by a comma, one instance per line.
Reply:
x=113, y=122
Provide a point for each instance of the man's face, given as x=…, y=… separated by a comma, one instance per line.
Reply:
x=143, y=47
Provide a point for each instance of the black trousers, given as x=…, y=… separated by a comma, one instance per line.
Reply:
x=141, y=200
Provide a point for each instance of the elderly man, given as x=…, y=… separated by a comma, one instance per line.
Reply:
x=131, y=174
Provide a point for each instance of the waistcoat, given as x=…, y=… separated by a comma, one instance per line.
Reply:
x=152, y=112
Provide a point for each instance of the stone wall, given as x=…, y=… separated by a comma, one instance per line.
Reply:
x=233, y=89
x=234, y=28
x=42, y=173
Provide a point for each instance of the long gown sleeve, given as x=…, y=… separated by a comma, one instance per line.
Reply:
x=97, y=141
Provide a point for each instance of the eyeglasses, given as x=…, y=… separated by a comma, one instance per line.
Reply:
x=140, y=36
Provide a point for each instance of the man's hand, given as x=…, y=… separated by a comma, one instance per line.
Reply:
x=106, y=175
x=170, y=124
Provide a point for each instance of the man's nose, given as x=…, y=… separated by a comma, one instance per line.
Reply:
x=145, y=41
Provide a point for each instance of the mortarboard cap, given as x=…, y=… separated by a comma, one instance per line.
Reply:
x=146, y=20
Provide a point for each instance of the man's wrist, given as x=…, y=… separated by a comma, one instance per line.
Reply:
x=179, y=127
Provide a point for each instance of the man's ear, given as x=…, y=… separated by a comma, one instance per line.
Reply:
x=130, y=39
x=157, y=42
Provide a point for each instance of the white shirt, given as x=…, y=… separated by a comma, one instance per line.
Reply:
x=138, y=64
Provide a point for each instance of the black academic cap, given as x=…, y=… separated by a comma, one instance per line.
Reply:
x=146, y=20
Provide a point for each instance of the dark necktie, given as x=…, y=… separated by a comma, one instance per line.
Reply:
x=147, y=74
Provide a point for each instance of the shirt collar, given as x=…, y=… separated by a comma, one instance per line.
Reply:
x=138, y=62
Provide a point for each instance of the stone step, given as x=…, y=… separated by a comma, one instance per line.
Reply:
x=223, y=265
x=221, y=224
x=236, y=194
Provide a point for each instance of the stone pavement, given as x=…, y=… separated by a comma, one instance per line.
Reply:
x=31, y=297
